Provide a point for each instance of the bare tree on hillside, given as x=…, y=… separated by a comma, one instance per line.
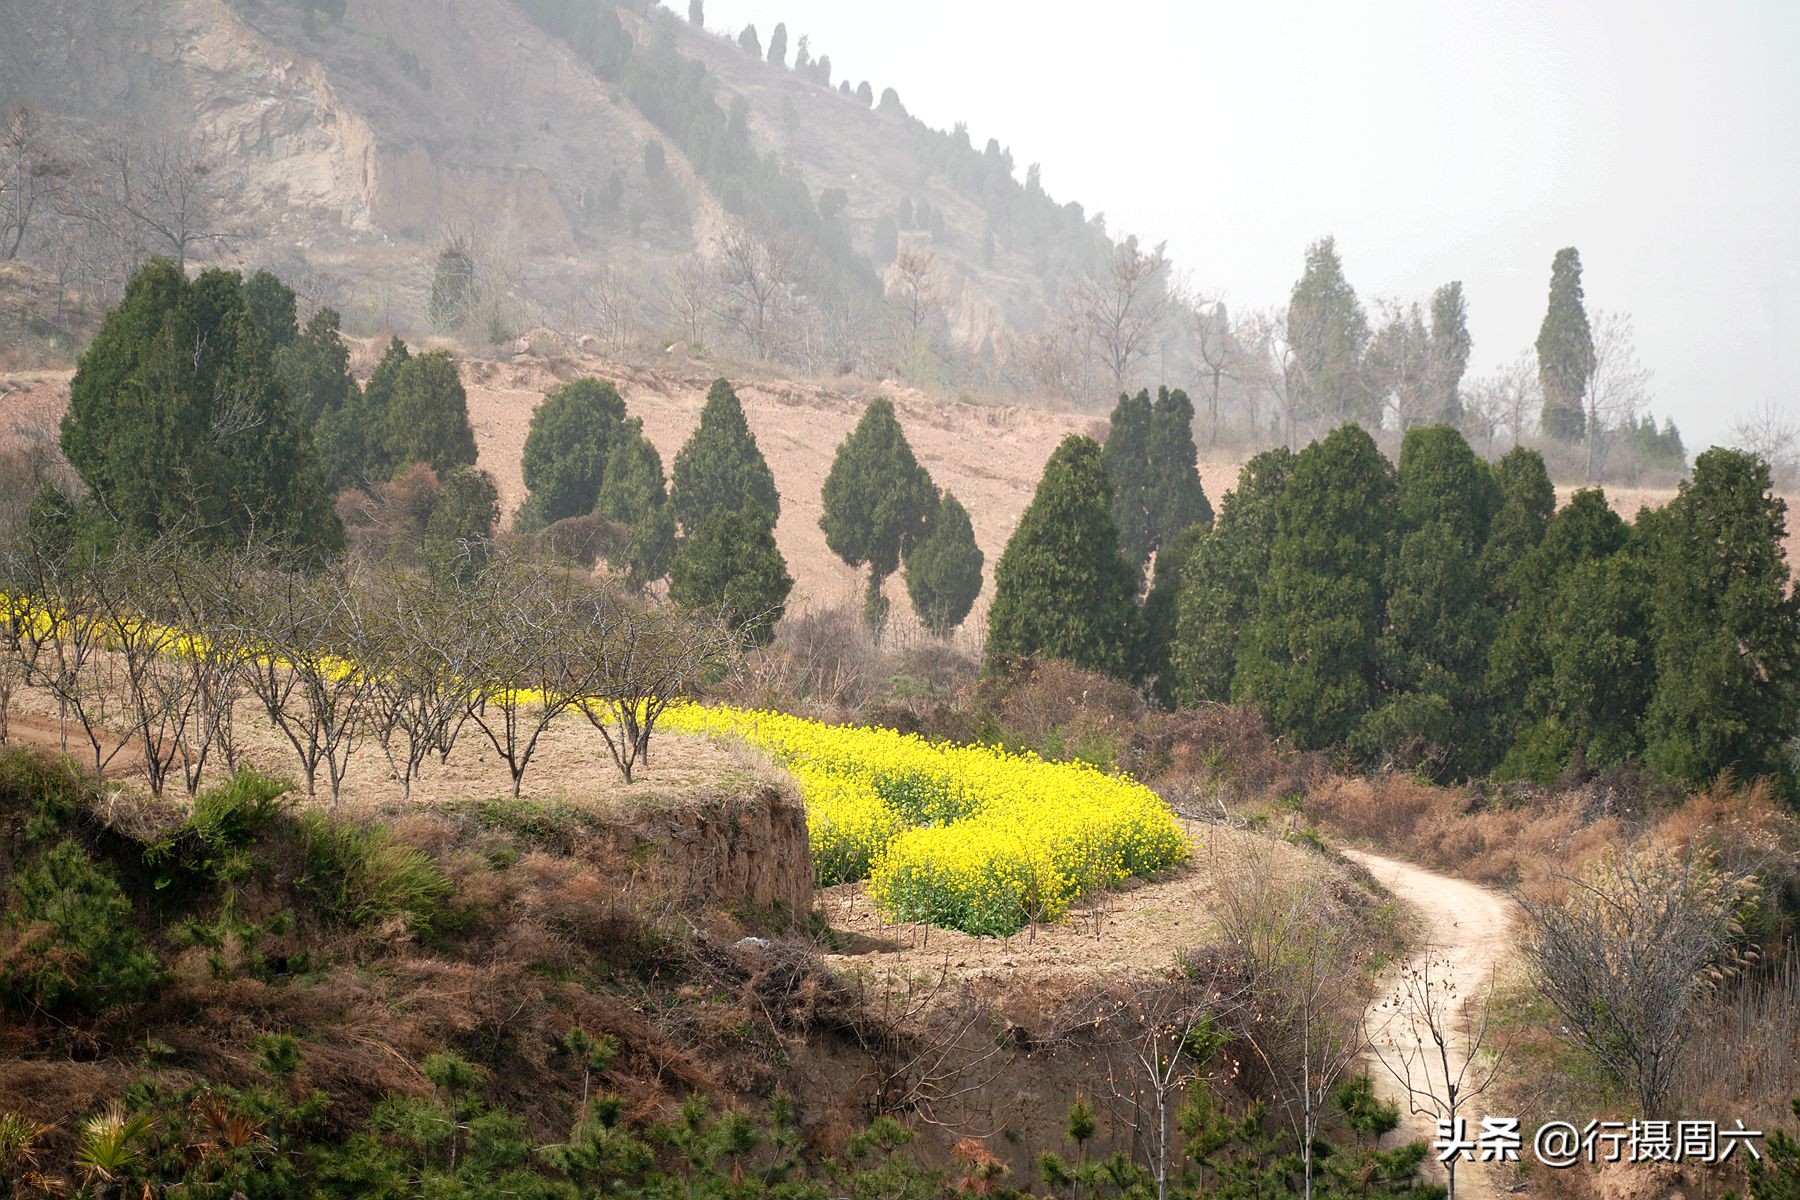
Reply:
x=1772, y=433
x=610, y=309
x=914, y=310
x=167, y=190
x=1508, y=398
x=687, y=294
x=1217, y=346
x=1122, y=305
x=1619, y=388
x=29, y=176
x=756, y=278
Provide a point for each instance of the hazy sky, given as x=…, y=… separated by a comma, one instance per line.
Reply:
x=1436, y=140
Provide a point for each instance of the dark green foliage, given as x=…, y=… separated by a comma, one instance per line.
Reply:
x=1654, y=448
x=1565, y=350
x=1450, y=348
x=353, y=442
x=572, y=433
x=177, y=422
x=731, y=564
x=73, y=947
x=459, y=534
x=1126, y=454
x=749, y=43
x=1330, y=331
x=1308, y=657
x=1062, y=589
x=272, y=310
x=1162, y=608
x=633, y=494
x=1527, y=498
x=1176, y=498
x=1777, y=1175
x=593, y=31
x=314, y=366
x=1433, y=652
x=1726, y=626
x=356, y=876
x=720, y=468
x=876, y=496
x=428, y=415
x=1221, y=578
x=213, y=847
x=943, y=568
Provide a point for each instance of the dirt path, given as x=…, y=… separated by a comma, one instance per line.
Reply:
x=1466, y=933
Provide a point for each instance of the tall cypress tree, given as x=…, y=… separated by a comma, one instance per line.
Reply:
x=1127, y=458
x=731, y=564
x=1330, y=331
x=428, y=415
x=633, y=494
x=1726, y=624
x=1221, y=578
x=1308, y=658
x=1176, y=497
x=273, y=310
x=314, y=366
x=1565, y=350
x=1062, y=588
x=720, y=468
x=876, y=498
x=573, y=431
x=1450, y=349
x=176, y=421
x=943, y=568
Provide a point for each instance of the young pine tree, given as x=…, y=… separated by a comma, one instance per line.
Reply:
x=1308, y=657
x=428, y=415
x=1062, y=588
x=572, y=432
x=1127, y=458
x=632, y=494
x=1220, y=580
x=720, y=469
x=943, y=568
x=731, y=564
x=876, y=497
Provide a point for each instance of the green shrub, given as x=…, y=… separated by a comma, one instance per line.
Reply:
x=213, y=844
x=69, y=944
x=355, y=875
x=48, y=789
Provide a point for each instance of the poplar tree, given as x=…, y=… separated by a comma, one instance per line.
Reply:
x=1062, y=588
x=1308, y=657
x=1221, y=578
x=1565, y=350
x=720, y=468
x=943, y=568
x=876, y=498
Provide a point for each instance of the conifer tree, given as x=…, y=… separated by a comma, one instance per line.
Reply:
x=1062, y=588
x=731, y=564
x=1221, y=578
x=428, y=415
x=1565, y=350
x=176, y=420
x=1308, y=657
x=1527, y=499
x=778, y=44
x=1176, y=497
x=633, y=494
x=1726, y=625
x=1329, y=332
x=1450, y=349
x=1162, y=606
x=1126, y=454
x=697, y=12
x=876, y=498
x=353, y=447
x=720, y=468
x=459, y=534
x=572, y=432
x=749, y=43
x=314, y=366
x=273, y=310
x=943, y=568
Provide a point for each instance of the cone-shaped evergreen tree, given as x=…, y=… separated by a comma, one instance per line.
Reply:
x=1162, y=611
x=943, y=568
x=1434, y=648
x=572, y=433
x=176, y=421
x=731, y=564
x=1127, y=458
x=428, y=415
x=876, y=497
x=1176, y=497
x=633, y=494
x=314, y=366
x=1308, y=657
x=1062, y=588
x=1221, y=579
x=1527, y=498
x=1565, y=350
x=720, y=469
x=1726, y=626
x=272, y=310
x=1330, y=331
x=352, y=438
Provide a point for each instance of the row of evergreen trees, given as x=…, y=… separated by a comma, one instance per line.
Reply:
x=1442, y=614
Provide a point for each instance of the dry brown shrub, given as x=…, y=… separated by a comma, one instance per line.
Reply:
x=1223, y=754
x=823, y=662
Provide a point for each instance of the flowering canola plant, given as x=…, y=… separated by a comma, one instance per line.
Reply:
x=967, y=837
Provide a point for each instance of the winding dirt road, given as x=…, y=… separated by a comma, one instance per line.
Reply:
x=1466, y=931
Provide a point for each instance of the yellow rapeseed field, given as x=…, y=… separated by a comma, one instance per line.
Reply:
x=967, y=837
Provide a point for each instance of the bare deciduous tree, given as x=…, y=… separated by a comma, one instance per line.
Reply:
x=1619, y=388
x=29, y=176
x=646, y=658
x=169, y=192
x=755, y=278
x=1627, y=953
x=1122, y=305
x=687, y=294
x=1771, y=431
